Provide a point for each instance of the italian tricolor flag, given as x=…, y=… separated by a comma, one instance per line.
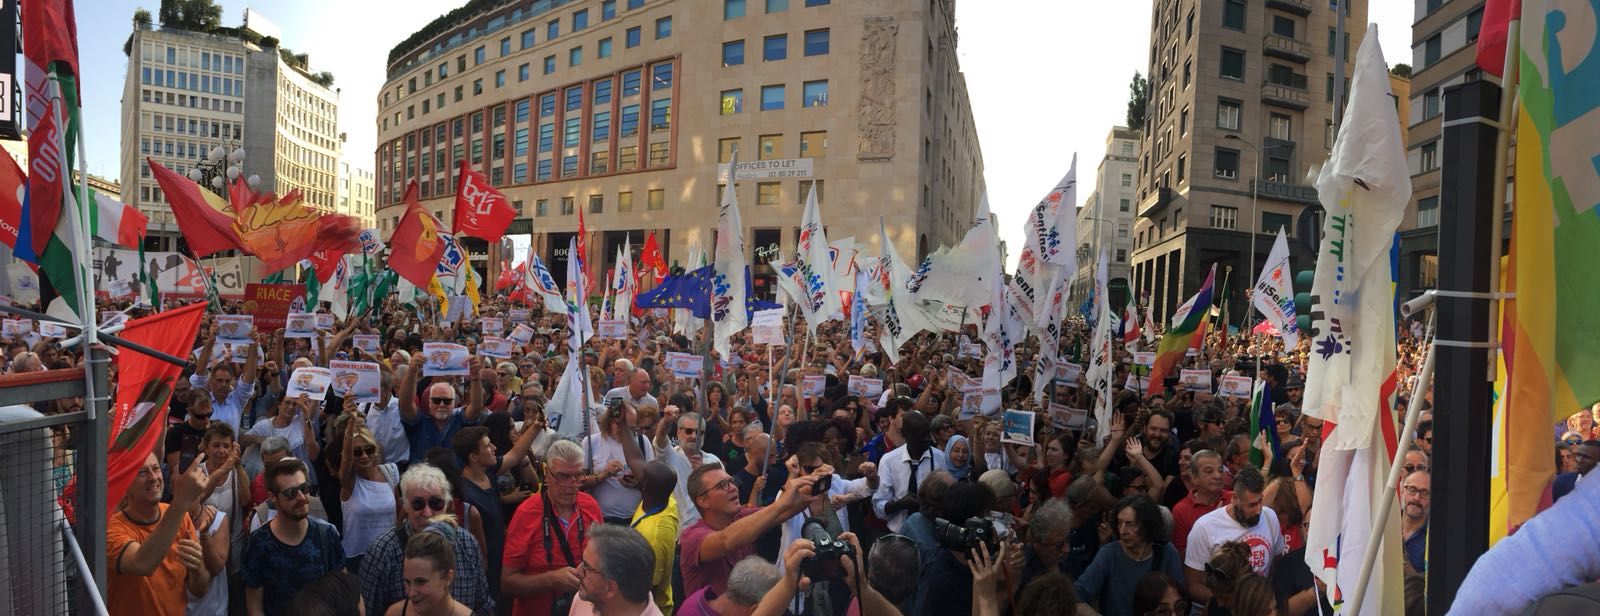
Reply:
x=117, y=222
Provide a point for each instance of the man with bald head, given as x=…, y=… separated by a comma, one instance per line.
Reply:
x=636, y=391
x=443, y=418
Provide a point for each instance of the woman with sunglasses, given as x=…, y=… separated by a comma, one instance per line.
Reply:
x=366, y=488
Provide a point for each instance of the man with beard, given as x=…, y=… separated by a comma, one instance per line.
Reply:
x=444, y=418
x=1415, y=495
x=1246, y=520
x=1206, y=480
x=684, y=457
x=293, y=549
x=1158, y=448
x=158, y=551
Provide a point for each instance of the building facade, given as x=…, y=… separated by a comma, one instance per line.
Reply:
x=629, y=110
x=185, y=94
x=1240, y=112
x=1105, y=222
x=356, y=194
x=1443, y=54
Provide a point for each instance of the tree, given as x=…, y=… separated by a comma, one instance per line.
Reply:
x=269, y=42
x=1401, y=70
x=324, y=79
x=141, y=17
x=1138, y=96
x=193, y=15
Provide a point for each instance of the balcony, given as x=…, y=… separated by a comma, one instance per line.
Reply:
x=1285, y=191
x=1157, y=201
x=1298, y=7
x=1286, y=90
x=1280, y=46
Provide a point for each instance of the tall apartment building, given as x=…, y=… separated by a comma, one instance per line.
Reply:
x=629, y=109
x=356, y=194
x=1443, y=44
x=1240, y=110
x=186, y=93
x=1106, y=220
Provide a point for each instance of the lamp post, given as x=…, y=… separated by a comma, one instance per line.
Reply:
x=218, y=167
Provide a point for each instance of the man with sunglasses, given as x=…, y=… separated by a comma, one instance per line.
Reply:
x=293, y=549
x=443, y=418
x=424, y=495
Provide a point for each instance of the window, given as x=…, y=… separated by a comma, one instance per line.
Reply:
x=732, y=101
x=1188, y=26
x=522, y=72
x=608, y=10
x=771, y=147
x=811, y=3
x=541, y=207
x=571, y=132
x=547, y=105
x=527, y=40
x=1431, y=50
x=575, y=56
x=777, y=6
x=814, y=144
x=660, y=114
x=1183, y=122
x=603, y=48
x=1430, y=104
x=567, y=206
x=505, y=47
x=461, y=63
x=1183, y=166
x=661, y=76
x=805, y=190
x=625, y=201
x=631, y=37
x=1474, y=24
x=600, y=130
x=630, y=83
x=817, y=42
x=1282, y=25
x=1277, y=169
x=1232, y=63
x=569, y=166
x=1228, y=112
x=1233, y=14
x=519, y=143
x=1272, y=221
x=1122, y=255
x=630, y=121
x=597, y=204
x=814, y=94
x=542, y=171
x=733, y=53
x=549, y=64
x=1187, y=69
x=552, y=29
x=767, y=193
x=477, y=87
x=725, y=149
x=656, y=199
x=1122, y=229
x=478, y=55
x=658, y=154
x=1227, y=163
x=772, y=97
x=500, y=79
x=1123, y=205
x=1430, y=156
x=663, y=27
x=1127, y=179
x=547, y=137
x=580, y=20
x=633, y=4
x=1427, y=211
x=628, y=158
x=732, y=9
x=1278, y=127
x=775, y=47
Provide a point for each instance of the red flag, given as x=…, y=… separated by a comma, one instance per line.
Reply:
x=144, y=386
x=12, y=182
x=505, y=275
x=41, y=210
x=1497, y=16
x=325, y=262
x=481, y=210
x=206, y=220
x=415, y=247
x=50, y=34
x=583, y=252
x=651, y=263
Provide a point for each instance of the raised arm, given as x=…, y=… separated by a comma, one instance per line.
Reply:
x=475, y=382
x=347, y=465
x=1154, y=485
x=519, y=450
x=746, y=530
x=408, y=389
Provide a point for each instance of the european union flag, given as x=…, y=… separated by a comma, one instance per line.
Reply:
x=692, y=290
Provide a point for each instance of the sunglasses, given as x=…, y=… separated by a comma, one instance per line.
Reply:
x=433, y=503
x=443, y=400
x=1412, y=468
x=294, y=492
x=362, y=452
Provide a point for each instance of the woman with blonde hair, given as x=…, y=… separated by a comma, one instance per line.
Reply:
x=366, y=488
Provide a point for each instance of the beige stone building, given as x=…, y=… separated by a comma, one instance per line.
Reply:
x=356, y=196
x=1106, y=219
x=1443, y=53
x=626, y=109
x=1240, y=111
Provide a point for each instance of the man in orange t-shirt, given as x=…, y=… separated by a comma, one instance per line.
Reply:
x=154, y=549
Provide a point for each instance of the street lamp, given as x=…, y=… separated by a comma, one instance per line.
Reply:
x=219, y=166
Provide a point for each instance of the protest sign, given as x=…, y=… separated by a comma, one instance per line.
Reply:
x=1236, y=387
x=768, y=326
x=312, y=381
x=367, y=343
x=240, y=353
x=522, y=334
x=493, y=326
x=955, y=379
x=1137, y=383
x=444, y=359
x=324, y=321
x=862, y=386
x=1017, y=427
x=684, y=365
x=496, y=347
x=812, y=385
x=971, y=404
x=1068, y=373
x=972, y=350
x=612, y=329
x=357, y=380
x=1195, y=380
x=52, y=329
x=300, y=325
x=270, y=303
x=1144, y=358
x=16, y=328
x=1066, y=418
x=235, y=328
x=519, y=316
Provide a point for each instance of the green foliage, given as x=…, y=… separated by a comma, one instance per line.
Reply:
x=141, y=17
x=1138, y=96
x=269, y=42
x=1401, y=70
x=192, y=15
x=324, y=79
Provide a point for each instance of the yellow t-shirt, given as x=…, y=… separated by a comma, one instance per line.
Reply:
x=159, y=594
x=661, y=530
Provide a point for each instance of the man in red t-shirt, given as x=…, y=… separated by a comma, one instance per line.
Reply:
x=1206, y=477
x=544, y=542
x=726, y=533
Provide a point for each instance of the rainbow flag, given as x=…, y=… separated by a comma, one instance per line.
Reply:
x=1188, y=325
x=1550, y=355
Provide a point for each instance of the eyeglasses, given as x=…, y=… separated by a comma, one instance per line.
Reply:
x=443, y=400
x=362, y=452
x=1412, y=468
x=1416, y=491
x=432, y=503
x=720, y=486
x=584, y=568
x=294, y=492
x=567, y=478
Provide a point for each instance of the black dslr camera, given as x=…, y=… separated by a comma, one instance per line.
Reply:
x=967, y=537
x=825, y=564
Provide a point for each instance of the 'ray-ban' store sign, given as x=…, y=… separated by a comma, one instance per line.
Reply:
x=10, y=92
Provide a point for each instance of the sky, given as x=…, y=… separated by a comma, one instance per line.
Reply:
x=1029, y=122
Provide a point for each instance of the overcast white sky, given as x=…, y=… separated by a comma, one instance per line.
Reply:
x=1047, y=77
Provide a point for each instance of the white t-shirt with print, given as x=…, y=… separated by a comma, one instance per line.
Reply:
x=1213, y=529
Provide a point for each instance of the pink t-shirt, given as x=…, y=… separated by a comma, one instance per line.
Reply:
x=699, y=573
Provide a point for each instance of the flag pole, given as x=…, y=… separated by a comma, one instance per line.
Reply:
x=1502, y=146
x=1386, y=502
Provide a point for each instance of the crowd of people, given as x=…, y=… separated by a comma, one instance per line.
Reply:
x=733, y=493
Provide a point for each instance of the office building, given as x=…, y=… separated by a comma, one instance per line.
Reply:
x=356, y=194
x=1240, y=112
x=627, y=109
x=1105, y=222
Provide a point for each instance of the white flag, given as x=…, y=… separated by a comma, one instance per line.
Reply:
x=1055, y=230
x=1102, y=366
x=897, y=319
x=813, y=269
x=544, y=285
x=580, y=327
x=622, y=306
x=337, y=291
x=729, y=272
x=1274, y=296
x=963, y=275
x=1350, y=380
x=567, y=402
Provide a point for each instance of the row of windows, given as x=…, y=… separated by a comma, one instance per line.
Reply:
x=775, y=47
x=774, y=97
x=194, y=82
x=813, y=144
x=190, y=101
x=204, y=60
x=734, y=9
x=199, y=127
x=176, y=148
